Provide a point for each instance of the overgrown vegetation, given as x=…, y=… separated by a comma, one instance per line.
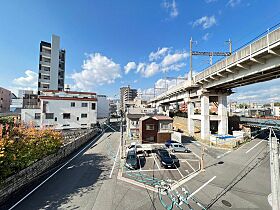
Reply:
x=21, y=146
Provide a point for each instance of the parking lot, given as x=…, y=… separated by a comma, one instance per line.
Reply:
x=152, y=172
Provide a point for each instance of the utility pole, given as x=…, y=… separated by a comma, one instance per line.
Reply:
x=274, y=170
x=202, y=158
x=122, y=144
x=191, y=41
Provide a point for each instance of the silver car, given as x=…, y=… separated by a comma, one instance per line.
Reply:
x=177, y=147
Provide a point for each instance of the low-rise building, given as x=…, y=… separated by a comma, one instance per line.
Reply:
x=156, y=129
x=63, y=110
x=5, y=100
x=132, y=120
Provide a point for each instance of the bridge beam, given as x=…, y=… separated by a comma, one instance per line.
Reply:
x=258, y=60
x=205, y=117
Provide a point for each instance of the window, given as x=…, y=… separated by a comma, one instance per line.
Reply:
x=55, y=119
x=66, y=115
x=150, y=127
x=165, y=126
x=49, y=116
x=72, y=104
x=37, y=116
x=83, y=115
x=93, y=106
x=83, y=124
x=84, y=104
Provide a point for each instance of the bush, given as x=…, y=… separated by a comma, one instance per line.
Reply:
x=23, y=146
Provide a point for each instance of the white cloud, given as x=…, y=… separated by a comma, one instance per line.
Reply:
x=206, y=36
x=205, y=22
x=158, y=54
x=163, y=61
x=96, y=70
x=171, y=7
x=233, y=3
x=129, y=66
x=29, y=80
x=172, y=59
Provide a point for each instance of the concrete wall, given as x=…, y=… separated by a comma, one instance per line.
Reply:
x=33, y=172
x=54, y=62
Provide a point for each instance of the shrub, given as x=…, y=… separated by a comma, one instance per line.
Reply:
x=24, y=146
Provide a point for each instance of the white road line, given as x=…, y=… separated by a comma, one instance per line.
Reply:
x=254, y=146
x=190, y=166
x=222, y=155
x=115, y=160
x=200, y=188
x=55, y=172
x=150, y=170
x=196, y=155
x=155, y=161
x=179, y=172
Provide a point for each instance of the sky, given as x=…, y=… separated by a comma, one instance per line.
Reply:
x=116, y=43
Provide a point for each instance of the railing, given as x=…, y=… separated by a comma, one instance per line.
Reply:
x=265, y=41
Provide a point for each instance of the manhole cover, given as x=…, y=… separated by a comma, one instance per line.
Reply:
x=226, y=203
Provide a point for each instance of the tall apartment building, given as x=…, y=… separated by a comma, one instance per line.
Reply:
x=127, y=94
x=5, y=100
x=51, y=66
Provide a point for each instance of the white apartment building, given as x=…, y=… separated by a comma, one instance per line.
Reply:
x=63, y=110
x=51, y=65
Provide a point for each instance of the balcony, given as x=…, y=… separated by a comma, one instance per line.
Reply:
x=48, y=64
x=46, y=55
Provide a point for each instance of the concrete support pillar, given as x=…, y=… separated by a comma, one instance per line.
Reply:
x=222, y=113
x=160, y=109
x=190, y=120
x=205, y=118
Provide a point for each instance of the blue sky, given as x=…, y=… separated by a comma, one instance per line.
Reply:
x=102, y=37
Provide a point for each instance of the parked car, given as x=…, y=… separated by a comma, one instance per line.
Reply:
x=178, y=147
x=132, y=161
x=169, y=142
x=175, y=159
x=134, y=146
x=165, y=158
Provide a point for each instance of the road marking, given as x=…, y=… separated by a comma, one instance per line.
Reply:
x=196, y=155
x=56, y=171
x=184, y=180
x=200, y=188
x=254, y=146
x=155, y=161
x=150, y=170
x=187, y=171
x=190, y=166
x=197, y=144
x=115, y=160
x=222, y=155
x=179, y=171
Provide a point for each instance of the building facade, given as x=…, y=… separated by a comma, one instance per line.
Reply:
x=102, y=107
x=63, y=110
x=51, y=66
x=126, y=94
x=5, y=100
x=156, y=129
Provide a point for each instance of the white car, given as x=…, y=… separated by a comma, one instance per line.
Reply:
x=134, y=146
x=178, y=147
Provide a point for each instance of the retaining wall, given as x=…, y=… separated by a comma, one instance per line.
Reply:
x=29, y=174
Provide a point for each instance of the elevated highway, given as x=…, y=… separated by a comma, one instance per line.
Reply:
x=256, y=62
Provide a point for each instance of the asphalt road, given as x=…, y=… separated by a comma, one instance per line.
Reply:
x=85, y=183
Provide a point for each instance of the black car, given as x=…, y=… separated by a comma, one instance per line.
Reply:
x=164, y=158
x=132, y=161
